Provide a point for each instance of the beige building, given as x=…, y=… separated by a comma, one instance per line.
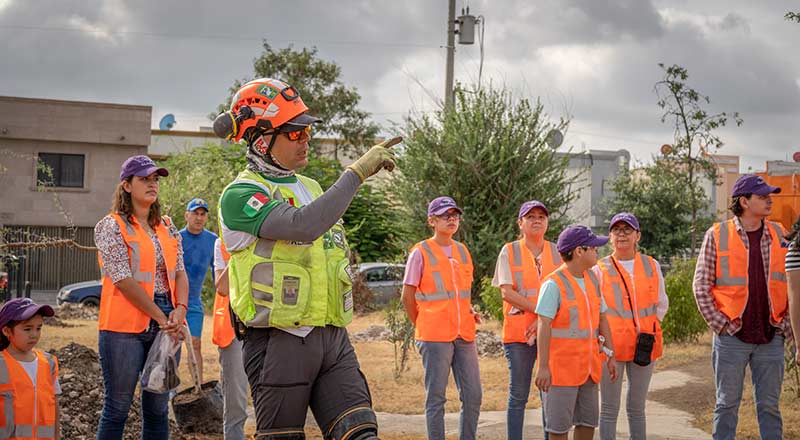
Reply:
x=82, y=145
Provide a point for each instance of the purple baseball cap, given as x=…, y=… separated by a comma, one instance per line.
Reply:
x=527, y=206
x=753, y=184
x=578, y=235
x=141, y=166
x=21, y=309
x=440, y=205
x=626, y=217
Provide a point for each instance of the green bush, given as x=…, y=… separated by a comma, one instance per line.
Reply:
x=401, y=335
x=492, y=299
x=683, y=322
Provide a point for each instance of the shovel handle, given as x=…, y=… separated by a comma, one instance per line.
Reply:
x=194, y=368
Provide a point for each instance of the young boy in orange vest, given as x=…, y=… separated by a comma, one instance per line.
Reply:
x=572, y=321
x=436, y=295
x=28, y=377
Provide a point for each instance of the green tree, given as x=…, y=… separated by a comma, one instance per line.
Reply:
x=792, y=16
x=322, y=90
x=694, y=136
x=490, y=154
x=659, y=197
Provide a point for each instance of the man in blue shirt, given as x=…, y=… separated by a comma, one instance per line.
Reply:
x=198, y=257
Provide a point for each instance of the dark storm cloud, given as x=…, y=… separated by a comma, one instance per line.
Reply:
x=596, y=59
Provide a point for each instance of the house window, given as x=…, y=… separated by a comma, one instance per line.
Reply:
x=60, y=170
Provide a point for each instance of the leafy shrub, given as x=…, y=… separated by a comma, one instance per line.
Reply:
x=492, y=299
x=683, y=322
x=401, y=335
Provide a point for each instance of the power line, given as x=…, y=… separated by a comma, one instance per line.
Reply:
x=215, y=37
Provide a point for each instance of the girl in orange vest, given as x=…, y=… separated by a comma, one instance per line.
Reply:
x=436, y=295
x=633, y=289
x=234, y=377
x=521, y=266
x=571, y=322
x=28, y=377
x=145, y=290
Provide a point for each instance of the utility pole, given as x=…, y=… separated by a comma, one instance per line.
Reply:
x=451, y=52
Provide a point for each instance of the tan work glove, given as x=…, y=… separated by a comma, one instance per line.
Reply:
x=378, y=157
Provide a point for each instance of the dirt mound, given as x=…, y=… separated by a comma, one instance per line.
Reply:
x=81, y=398
x=76, y=311
x=371, y=334
x=488, y=343
x=54, y=321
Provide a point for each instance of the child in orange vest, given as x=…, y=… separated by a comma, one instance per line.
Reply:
x=28, y=377
x=571, y=323
x=436, y=295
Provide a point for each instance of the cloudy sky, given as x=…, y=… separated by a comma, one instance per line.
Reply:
x=594, y=60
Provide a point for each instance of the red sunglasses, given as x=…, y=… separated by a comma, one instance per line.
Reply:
x=297, y=134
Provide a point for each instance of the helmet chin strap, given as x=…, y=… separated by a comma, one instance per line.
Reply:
x=268, y=156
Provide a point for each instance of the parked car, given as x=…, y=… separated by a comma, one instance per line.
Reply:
x=384, y=280
x=87, y=293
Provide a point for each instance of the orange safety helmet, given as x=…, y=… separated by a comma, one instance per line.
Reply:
x=263, y=103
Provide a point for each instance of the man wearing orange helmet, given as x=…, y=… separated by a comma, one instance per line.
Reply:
x=289, y=272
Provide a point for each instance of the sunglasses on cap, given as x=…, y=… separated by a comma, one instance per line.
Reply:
x=296, y=135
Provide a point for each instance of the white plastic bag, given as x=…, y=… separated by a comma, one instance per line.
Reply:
x=160, y=374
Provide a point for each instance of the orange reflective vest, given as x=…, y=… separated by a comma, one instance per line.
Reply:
x=222, y=333
x=28, y=412
x=574, y=349
x=629, y=315
x=443, y=294
x=730, y=288
x=526, y=282
x=117, y=314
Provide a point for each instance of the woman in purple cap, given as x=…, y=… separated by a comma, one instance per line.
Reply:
x=521, y=267
x=633, y=289
x=145, y=290
x=436, y=295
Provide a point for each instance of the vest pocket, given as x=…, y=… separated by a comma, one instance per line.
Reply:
x=282, y=288
x=341, y=288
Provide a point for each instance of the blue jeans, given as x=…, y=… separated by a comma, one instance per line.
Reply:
x=729, y=358
x=521, y=359
x=122, y=357
x=437, y=359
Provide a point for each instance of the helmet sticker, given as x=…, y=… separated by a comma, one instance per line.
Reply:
x=269, y=92
x=272, y=110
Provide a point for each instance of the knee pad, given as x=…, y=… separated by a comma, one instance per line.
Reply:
x=354, y=424
x=281, y=434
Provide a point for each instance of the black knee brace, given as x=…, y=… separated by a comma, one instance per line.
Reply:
x=354, y=424
x=281, y=434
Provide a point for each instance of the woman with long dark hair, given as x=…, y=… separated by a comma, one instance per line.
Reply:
x=145, y=290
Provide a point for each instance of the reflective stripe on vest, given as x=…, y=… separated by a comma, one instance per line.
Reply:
x=284, y=283
x=574, y=350
x=643, y=288
x=731, y=289
x=443, y=294
x=16, y=393
x=527, y=279
x=116, y=312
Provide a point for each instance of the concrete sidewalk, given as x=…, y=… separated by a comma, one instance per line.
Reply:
x=663, y=422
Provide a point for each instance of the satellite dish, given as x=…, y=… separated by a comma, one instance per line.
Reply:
x=167, y=122
x=666, y=149
x=554, y=138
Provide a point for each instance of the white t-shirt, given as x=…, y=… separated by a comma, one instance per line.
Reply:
x=32, y=368
x=219, y=260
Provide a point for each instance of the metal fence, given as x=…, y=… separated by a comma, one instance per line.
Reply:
x=50, y=268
